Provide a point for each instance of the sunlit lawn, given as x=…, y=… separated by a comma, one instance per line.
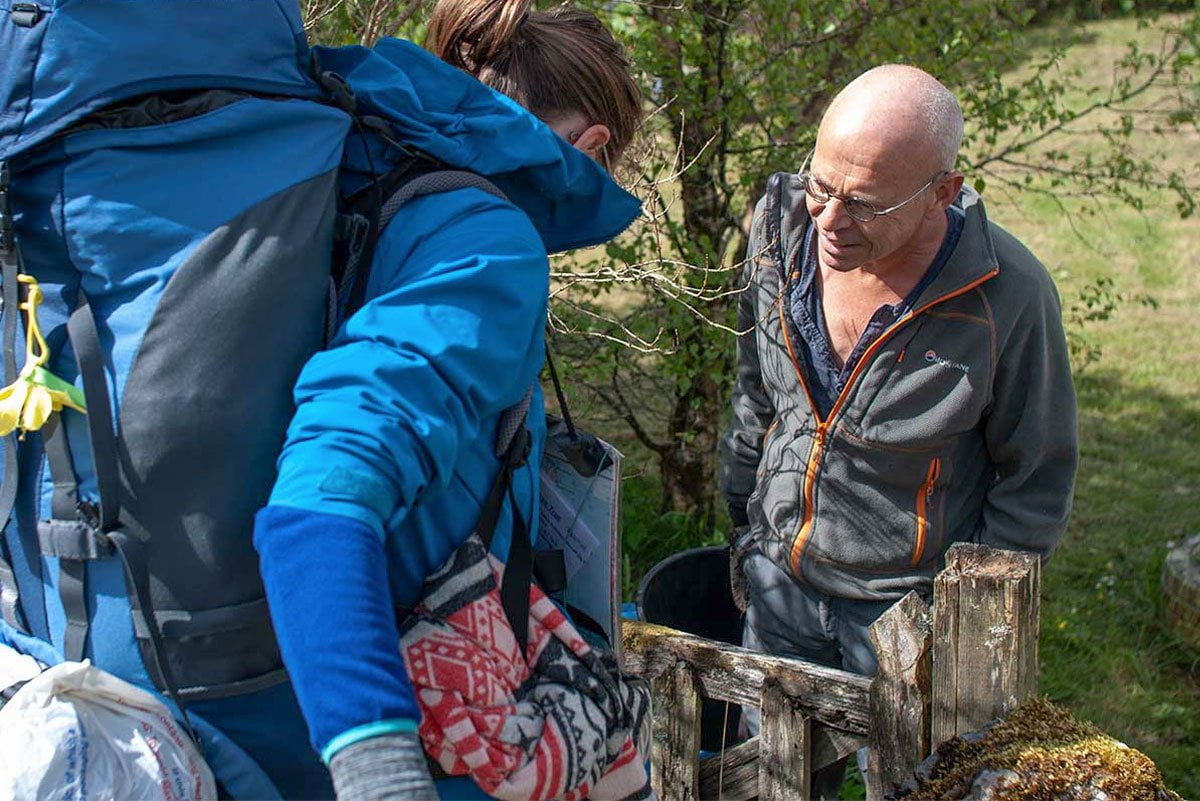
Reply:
x=1104, y=650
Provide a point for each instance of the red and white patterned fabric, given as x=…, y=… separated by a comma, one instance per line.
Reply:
x=561, y=723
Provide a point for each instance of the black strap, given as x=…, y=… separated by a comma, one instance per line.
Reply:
x=558, y=392
x=75, y=540
x=137, y=573
x=413, y=177
x=85, y=340
x=353, y=284
x=72, y=589
x=64, y=503
x=10, y=599
x=72, y=541
x=518, y=575
x=8, y=692
x=586, y=622
x=485, y=526
x=68, y=536
x=518, y=568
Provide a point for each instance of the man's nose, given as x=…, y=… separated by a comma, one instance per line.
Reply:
x=832, y=215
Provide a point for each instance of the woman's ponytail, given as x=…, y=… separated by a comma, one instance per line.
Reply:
x=552, y=62
x=470, y=34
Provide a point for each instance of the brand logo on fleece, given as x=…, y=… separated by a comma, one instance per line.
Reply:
x=932, y=357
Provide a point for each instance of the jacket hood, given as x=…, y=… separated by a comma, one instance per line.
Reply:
x=788, y=216
x=447, y=114
x=62, y=59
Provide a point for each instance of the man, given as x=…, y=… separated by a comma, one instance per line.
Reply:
x=903, y=382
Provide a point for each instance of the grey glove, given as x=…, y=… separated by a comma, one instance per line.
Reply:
x=386, y=768
x=740, y=543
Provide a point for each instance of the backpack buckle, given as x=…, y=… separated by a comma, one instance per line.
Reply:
x=73, y=540
x=521, y=447
x=353, y=229
x=26, y=15
x=339, y=90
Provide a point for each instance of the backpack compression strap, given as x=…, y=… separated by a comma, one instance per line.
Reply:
x=80, y=532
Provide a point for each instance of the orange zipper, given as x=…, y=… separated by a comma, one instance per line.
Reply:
x=814, y=456
x=923, y=496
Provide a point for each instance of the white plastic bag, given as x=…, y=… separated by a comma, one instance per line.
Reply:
x=76, y=733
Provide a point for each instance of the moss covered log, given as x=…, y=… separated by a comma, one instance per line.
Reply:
x=1037, y=753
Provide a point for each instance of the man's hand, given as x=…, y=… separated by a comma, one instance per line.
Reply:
x=386, y=768
x=740, y=542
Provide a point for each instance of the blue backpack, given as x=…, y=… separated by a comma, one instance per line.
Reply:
x=180, y=225
x=169, y=176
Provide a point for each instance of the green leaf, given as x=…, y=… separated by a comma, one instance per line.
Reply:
x=40, y=375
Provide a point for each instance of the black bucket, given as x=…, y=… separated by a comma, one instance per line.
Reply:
x=689, y=591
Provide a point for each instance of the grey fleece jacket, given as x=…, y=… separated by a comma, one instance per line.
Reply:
x=958, y=423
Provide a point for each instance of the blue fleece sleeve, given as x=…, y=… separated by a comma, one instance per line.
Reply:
x=450, y=337
x=326, y=581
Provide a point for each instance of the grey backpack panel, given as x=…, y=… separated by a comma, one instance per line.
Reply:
x=204, y=416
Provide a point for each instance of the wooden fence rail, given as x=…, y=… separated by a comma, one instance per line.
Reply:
x=941, y=672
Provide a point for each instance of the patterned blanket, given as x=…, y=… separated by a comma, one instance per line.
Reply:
x=559, y=723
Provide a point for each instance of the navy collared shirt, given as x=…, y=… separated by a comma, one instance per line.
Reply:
x=818, y=364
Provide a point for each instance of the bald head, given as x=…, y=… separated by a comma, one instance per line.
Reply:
x=896, y=109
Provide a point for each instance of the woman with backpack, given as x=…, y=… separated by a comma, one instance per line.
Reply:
x=395, y=450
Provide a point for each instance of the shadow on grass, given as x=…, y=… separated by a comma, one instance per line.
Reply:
x=1105, y=651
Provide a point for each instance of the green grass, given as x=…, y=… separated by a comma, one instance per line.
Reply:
x=1105, y=653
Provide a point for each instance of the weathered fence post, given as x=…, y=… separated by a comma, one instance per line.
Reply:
x=985, y=640
x=784, y=749
x=900, y=694
x=675, y=749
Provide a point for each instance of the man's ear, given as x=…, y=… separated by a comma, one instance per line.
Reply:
x=593, y=139
x=946, y=190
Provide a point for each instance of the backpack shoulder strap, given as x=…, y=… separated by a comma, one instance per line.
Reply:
x=413, y=178
x=512, y=435
x=432, y=183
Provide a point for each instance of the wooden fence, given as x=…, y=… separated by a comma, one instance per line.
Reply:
x=941, y=672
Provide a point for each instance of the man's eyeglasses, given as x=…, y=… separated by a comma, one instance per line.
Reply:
x=858, y=209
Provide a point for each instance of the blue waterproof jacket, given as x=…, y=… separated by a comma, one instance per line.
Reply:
x=392, y=449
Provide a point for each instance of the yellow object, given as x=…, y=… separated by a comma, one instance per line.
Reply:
x=28, y=402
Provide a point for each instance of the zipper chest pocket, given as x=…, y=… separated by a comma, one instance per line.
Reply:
x=924, y=497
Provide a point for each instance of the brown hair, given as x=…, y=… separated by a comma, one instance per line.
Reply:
x=551, y=62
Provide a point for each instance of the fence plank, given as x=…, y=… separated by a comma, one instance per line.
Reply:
x=732, y=775
x=739, y=780
x=900, y=694
x=985, y=646
x=728, y=673
x=675, y=749
x=784, y=757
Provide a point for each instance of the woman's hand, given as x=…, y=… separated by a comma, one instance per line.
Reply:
x=386, y=768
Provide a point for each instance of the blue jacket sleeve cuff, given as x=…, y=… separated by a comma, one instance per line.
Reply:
x=327, y=586
x=365, y=732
